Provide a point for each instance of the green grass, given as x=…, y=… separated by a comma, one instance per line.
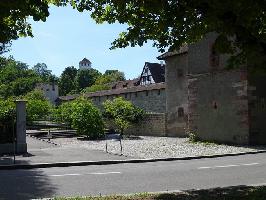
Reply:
x=228, y=193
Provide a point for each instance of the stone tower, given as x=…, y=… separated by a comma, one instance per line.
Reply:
x=85, y=64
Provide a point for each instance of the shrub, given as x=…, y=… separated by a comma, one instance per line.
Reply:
x=63, y=113
x=193, y=137
x=95, y=88
x=37, y=107
x=122, y=112
x=7, y=110
x=7, y=116
x=87, y=119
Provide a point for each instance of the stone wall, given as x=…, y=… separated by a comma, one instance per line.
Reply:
x=199, y=56
x=176, y=95
x=153, y=124
x=152, y=101
x=257, y=109
x=218, y=106
x=50, y=91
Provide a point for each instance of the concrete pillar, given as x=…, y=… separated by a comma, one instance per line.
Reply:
x=21, y=126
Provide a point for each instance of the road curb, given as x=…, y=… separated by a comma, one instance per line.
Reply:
x=111, y=162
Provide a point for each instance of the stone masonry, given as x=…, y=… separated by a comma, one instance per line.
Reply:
x=204, y=98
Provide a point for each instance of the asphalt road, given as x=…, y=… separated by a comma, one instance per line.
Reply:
x=131, y=178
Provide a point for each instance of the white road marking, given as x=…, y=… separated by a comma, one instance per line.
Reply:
x=58, y=175
x=103, y=173
x=94, y=173
x=249, y=164
x=225, y=166
x=204, y=167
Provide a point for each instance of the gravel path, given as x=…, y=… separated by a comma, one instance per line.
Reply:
x=157, y=147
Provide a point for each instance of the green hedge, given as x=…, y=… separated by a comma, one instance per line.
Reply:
x=7, y=116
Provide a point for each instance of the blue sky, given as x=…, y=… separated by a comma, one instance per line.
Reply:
x=68, y=36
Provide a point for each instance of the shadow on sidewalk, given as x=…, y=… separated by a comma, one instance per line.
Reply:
x=25, y=184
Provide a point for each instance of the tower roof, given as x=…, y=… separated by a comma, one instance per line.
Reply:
x=85, y=60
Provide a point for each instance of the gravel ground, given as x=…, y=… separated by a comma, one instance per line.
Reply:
x=157, y=147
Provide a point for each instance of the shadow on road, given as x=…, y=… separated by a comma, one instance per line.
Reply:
x=228, y=193
x=25, y=184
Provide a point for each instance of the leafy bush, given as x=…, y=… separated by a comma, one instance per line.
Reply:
x=63, y=113
x=7, y=110
x=83, y=116
x=122, y=112
x=95, y=88
x=193, y=137
x=7, y=115
x=37, y=107
x=87, y=119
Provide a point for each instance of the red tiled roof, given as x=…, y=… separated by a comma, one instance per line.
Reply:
x=126, y=83
x=68, y=97
x=183, y=49
x=139, y=88
x=127, y=90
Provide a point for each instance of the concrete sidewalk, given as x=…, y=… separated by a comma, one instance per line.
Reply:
x=43, y=152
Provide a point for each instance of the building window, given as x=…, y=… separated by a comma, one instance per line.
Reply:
x=159, y=92
x=47, y=89
x=263, y=104
x=180, y=112
x=144, y=78
x=126, y=95
x=136, y=94
x=147, y=93
x=214, y=57
x=215, y=106
x=180, y=72
x=146, y=70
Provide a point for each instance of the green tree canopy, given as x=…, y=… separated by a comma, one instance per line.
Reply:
x=13, y=18
x=37, y=107
x=46, y=75
x=241, y=24
x=118, y=76
x=67, y=80
x=15, y=78
x=104, y=81
x=86, y=78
